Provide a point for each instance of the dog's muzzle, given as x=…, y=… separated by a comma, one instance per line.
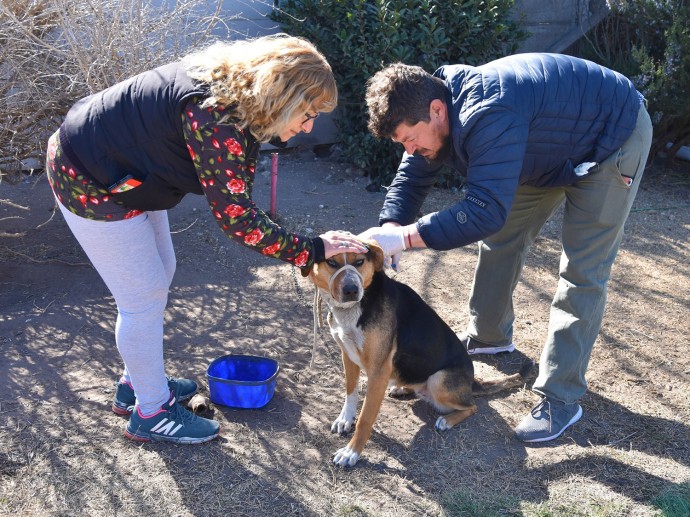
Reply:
x=351, y=286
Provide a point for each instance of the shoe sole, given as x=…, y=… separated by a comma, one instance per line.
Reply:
x=490, y=350
x=574, y=419
x=126, y=412
x=120, y=411
x=155, y=438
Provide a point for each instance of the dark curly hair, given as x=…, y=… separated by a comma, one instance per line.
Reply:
x=401, y=93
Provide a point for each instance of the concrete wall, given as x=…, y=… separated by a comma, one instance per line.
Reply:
x=556, y=24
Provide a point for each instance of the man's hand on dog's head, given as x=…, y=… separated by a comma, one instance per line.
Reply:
x=391, y=238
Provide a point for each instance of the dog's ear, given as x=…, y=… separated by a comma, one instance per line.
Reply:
x=376, y=254
x=306, y=270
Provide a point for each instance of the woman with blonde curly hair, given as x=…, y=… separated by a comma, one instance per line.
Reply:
x=125, y=155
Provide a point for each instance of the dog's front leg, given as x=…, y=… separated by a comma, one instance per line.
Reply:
x=344, y=422
x=377, y=382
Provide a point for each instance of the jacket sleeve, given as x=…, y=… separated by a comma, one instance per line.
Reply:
x=495, y=143
x=409, y=189
x=225, y=159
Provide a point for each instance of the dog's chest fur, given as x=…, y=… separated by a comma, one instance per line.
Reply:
x=344, y=329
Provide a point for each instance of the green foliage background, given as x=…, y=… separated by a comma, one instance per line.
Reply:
x=649, y=41
x=359, y=37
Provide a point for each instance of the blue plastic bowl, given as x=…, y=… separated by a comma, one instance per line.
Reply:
x=242, y=381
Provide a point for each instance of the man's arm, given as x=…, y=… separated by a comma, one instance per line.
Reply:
x=496, y=144
x=408, y=190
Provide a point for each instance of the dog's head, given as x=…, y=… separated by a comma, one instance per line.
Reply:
x=345, y=277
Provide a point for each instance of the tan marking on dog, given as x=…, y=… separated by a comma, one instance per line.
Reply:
x=373, y=351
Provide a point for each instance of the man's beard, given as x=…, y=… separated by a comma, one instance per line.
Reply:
x=441, y=155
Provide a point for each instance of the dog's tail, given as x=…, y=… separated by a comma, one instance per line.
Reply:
x=491, y=386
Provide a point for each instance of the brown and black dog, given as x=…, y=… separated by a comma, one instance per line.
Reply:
x=385, y=328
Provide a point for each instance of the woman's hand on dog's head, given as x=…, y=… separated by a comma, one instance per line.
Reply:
x=337, y=242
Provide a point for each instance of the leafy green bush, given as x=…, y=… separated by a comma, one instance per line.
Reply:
x=649, y=41
x=359, y=37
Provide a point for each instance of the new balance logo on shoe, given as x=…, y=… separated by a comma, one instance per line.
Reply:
x=172, y=423
x=165, y=427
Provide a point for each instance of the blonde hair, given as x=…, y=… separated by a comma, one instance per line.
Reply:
x=265, y=82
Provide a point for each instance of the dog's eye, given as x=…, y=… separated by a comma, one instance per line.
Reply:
x=332, y=263
x=358, y=263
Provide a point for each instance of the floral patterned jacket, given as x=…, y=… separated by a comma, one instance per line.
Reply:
x=224, y=158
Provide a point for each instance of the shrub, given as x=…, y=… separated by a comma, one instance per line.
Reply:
x=359, y=37
x=649, y=41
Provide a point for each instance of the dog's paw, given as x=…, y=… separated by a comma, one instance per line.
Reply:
x=342, y=425
x=399, y=392
x=442, y=424
x=345, y=457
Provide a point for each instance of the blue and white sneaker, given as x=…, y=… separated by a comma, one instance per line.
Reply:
x=124, y=400
x=547, y=420
x=171, y=423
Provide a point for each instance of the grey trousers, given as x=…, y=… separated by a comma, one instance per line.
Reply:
x=136, y=260
x=596, y=208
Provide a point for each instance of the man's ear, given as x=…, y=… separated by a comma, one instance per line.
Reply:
x=376, y=255
x=438, y=111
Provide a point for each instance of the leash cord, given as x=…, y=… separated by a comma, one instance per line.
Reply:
x=318, y=323
x=300, y=294
x=317, y=312
x=316, y=309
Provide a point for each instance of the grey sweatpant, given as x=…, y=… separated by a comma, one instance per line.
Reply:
x=596, y=208
x=136, y=260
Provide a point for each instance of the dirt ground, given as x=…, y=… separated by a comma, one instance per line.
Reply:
x=62, y=451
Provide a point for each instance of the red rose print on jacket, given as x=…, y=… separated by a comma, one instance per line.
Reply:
x=270, y=250
x=301, y=259
x=254, y=237
x=235, y=186
x=234, y=210
x=233, y=146
x=132, y=213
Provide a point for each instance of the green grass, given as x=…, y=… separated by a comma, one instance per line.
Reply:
x=464, y=504
x=353, y=510
x=674, y=502
x=555, y=509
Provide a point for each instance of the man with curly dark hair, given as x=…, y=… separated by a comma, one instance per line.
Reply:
x=529, y=133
